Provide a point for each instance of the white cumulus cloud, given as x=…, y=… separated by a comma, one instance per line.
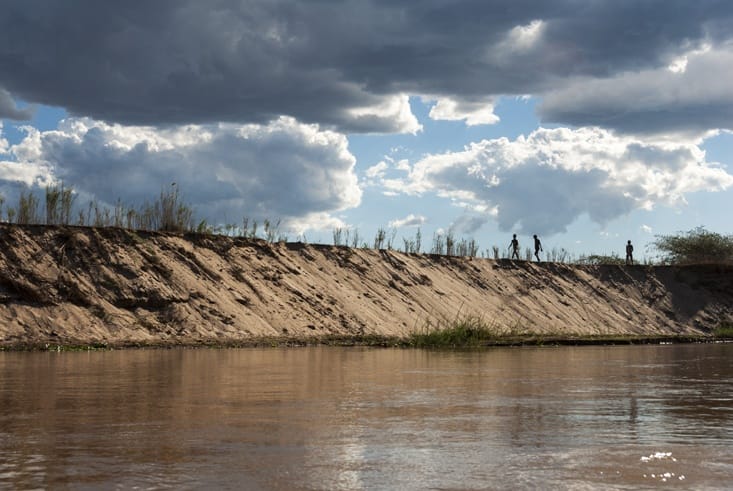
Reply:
x=470, y=111
x=543, y=182
x=3, y=141
x=284, y=170
x=389, y=115
x=410, y=220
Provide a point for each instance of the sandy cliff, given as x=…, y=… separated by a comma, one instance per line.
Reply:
x=85, y=285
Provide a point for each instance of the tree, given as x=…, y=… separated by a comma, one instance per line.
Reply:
x=695, y=246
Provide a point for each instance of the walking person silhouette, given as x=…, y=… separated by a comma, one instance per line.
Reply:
x=537, y=247
x=629, y=253
x=514, y=244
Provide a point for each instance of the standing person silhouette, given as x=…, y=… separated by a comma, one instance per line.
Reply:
x=537, y=247
x=629, y=253
x=514, y=244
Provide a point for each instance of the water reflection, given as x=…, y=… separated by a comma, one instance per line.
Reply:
x=337, y=418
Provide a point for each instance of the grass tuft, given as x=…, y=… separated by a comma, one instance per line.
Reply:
x=467, y=331
x=724, y=330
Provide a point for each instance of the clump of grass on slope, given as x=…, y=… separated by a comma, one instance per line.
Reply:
x=724, y=330
x=468, y=331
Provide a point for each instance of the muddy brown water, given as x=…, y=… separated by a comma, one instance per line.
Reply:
x=355, y=418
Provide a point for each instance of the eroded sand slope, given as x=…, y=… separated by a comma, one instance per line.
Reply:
x=85, y=285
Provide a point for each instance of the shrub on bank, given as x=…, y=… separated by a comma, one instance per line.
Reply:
x=470, y=331
x=724, y=330
x=599, y=259
x=695, y=246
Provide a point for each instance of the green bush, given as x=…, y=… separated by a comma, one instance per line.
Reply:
x=598, y=259
x=724, y=330
x=695, y=246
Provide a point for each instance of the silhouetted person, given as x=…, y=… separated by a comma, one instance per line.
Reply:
x=514, y=244
x=629, y=253
x=537, y=247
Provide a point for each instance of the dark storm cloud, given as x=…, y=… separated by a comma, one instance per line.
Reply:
x=188, y=61
x=691, y=97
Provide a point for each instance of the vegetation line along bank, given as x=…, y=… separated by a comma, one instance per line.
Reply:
x=169, y=213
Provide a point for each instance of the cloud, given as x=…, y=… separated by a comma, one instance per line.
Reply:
x=520, y=40
x=526, y=37
x=26, y=167
x=284, y=170
x=184, y=62
x=543, y=182
x=9, y=109
x=690, y=97
x=392, y=114
x=377, y=170
x=410, y=220
x=472, y=112
x=350, y=66
x=3, y=142
x=469, y=224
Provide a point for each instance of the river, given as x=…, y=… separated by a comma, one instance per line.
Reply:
x=613, y=417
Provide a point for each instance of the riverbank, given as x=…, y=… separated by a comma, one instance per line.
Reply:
x=379, y=342
x=81, y=286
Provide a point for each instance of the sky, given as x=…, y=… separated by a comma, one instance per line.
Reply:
x=586, y=122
